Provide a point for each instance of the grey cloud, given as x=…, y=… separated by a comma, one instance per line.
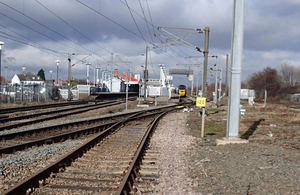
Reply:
x=269, y=25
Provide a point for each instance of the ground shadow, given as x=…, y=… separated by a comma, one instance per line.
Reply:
x=252, y=129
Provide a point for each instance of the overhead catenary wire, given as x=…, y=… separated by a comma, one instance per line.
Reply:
x=64, y=21
x=150, y=16
x=88, y=37
x=142, y=36
x=146, y=21
x=169, y=54
x=53, y=52
x=27, y=41
x=49, y=28
x=89, y=7
x=38, y=32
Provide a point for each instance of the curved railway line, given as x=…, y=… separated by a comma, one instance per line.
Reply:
x=136, y=127
x=56, y=133
x=19, y=121
x=42, y=106
x=93, y=132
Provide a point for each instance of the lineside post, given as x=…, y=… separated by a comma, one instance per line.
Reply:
x=69, y=77
x=204, y=85
x=205, y=52
x=145, y=75
x=226, y=76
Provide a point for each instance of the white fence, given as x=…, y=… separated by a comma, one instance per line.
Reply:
x=25, y=93
x=74, y=94
x=246, y=93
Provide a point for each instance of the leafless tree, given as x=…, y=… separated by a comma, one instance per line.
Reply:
x=266, y=79
x=289, y=74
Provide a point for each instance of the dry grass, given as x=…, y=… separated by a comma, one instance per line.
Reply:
x=277, y=124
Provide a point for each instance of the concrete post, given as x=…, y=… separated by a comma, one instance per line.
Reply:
x=233, y=115
x=69, y=77
x=226, y=76
x=220, y=85
x=97, y=80
x=1, y=43
x=216, y=81
x=145, y=75
x=197, y=86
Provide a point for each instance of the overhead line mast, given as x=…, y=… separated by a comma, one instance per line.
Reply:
x=177, y=40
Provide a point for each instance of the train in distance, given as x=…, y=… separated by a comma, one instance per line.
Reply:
x=182, y=90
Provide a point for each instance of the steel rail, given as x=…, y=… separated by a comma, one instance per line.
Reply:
x=39, y=178
x=36, y=107
x=49, y=128
x=7, y=127
x=53, y=139
x=49, y=112
x=127, y=183
x=60, y=137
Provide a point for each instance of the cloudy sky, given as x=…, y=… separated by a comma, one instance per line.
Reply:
x=38, y=32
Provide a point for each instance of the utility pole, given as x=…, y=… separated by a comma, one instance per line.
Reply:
x=216, y=82
x=197, y=86
x=57, y=64
x=69, y=77
x=175, y=40
x=127, y=89
x=69, y=71
x=226, y=75
x=114, y=62
x=1, y=43
x=102, y=77
x=205, y=52
x=97, y=68
x=220, y=85
x=192, y=88
x=88, y=73
x=145, y=75
x=233, y=116
x=204, y=87
x=216, y=87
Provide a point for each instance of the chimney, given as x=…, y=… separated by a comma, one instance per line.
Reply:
x=116, y=73
x=24, y=72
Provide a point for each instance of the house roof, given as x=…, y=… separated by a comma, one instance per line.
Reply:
x=60, y=82
x=3, y=80
x=29, y=77
x=126, y=77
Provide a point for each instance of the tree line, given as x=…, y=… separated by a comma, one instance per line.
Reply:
x=280, y=82
x=73, y=83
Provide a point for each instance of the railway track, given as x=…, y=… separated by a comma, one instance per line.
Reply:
x=27, y=116
x=101, y=169
x=57, y=133
x=42, y=106
x=114, y=152
x=23, y=120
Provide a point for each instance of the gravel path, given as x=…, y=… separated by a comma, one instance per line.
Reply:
x=170, y=136
x=188, y=165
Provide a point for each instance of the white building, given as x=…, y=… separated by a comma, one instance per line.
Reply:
x=113, y=85
x=27, y=79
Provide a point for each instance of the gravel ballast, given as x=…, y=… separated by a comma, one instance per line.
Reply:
x=188, y=165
